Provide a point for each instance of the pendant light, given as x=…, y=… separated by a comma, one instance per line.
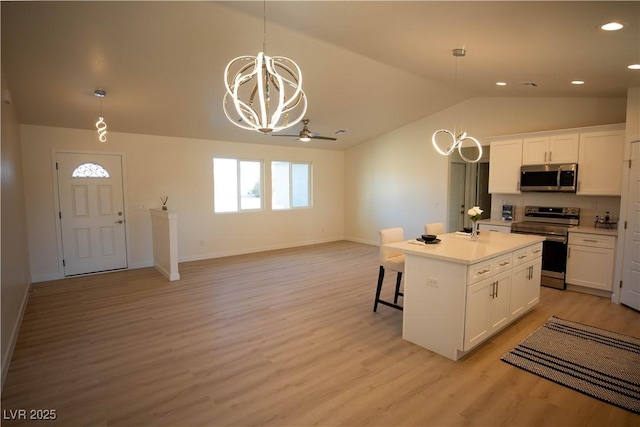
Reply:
x=264, y=93
x=455, y=140
x=101, y=125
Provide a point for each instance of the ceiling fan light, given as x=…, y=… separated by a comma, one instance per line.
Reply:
x=305, y=139
x=634, y=67
x=612, y=26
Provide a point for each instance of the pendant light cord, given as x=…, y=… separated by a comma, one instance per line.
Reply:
x=264, y=30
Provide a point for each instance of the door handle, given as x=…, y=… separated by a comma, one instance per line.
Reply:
x=119, y=221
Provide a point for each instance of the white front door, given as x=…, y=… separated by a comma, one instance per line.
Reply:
x=91, y=213
x=630, y=292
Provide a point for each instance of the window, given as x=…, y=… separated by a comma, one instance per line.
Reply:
x=290, y=185
x=90, y=170
x=237, y=185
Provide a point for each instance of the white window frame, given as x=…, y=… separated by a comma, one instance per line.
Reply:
x=309, y=185
x=239, y=208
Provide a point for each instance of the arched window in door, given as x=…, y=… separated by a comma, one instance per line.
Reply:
x=90, y=170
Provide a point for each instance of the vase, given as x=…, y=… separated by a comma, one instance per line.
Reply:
x=474, y=231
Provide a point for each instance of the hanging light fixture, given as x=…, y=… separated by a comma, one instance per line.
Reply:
x=264, y=93
x=101, y=125
x=455, y=140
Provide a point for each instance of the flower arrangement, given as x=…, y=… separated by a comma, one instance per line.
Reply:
x=474, y=213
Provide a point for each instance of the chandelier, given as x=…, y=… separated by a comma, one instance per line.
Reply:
x=101, y=125
x=264, y=93
x=454, y=140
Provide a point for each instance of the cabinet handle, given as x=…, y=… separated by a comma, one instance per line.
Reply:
x=502, y=264
x=569, y=253
x=590, y=240
x=497, y=287
x=483, y=271
x=549, y=155
x=545, y=157
x=522, y=256
x=537, y=251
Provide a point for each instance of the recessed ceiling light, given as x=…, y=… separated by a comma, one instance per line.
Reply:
x=612, y=26
x=634, y=67
x=501, y=84
x=577, y=82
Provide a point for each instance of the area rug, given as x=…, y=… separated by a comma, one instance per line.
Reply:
x=593, y=361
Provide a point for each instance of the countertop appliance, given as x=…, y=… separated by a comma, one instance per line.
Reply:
x=561, y=178
x=553, y=223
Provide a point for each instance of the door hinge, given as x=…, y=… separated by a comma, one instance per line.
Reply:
x=629, y=163
x=63, y=263
x=620, y=284
x=56, y=165
x=59, y=214
x=625, y=225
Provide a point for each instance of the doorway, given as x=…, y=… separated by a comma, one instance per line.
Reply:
x=475, y=189
x=91, y=212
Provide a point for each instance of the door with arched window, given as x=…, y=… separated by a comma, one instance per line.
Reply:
x=91, y=212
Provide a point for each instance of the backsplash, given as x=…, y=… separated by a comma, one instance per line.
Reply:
x=590, y=206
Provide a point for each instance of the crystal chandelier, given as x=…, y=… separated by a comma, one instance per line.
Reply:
x=453, y=141
x=264, y=93
x=101, y=125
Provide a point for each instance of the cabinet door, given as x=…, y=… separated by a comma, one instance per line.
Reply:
x=600, y=163
x=535, y=150
x=590, y=267
x=525, y=287
x=487, y=308
x=563, y=148
x=505, y=159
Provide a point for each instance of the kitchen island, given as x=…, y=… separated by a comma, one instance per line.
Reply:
x=459, y=292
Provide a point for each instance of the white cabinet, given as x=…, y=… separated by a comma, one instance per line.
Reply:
x=487, y=308
x=525, y=280
x=561, y=148
x=505, y=159
x=600, y=163
x=495, y=227
x=590, y=261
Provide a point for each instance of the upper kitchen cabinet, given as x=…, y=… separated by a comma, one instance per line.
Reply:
x=505, y=160
x=562, y=148
x=600, y=163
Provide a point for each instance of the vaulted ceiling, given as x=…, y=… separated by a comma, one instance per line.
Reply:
x=368, y=66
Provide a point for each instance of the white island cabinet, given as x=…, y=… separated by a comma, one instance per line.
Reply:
x=459, y=292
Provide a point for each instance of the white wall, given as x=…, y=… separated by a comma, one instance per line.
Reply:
x=16, y=279
x=398, y=179
x=181, y=169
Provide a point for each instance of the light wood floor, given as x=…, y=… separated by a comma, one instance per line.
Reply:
x=281, y=338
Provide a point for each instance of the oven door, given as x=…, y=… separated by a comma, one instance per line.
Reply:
x=554, y=262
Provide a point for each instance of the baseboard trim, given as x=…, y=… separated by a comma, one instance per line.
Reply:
x=6, y=358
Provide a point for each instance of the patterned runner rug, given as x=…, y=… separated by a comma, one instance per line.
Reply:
x=593, y=361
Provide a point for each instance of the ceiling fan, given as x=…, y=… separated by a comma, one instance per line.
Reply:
x=306, y=135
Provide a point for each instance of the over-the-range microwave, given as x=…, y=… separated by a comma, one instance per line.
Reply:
x=549, y=178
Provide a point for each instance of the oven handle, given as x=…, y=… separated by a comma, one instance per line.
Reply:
x=551, y=238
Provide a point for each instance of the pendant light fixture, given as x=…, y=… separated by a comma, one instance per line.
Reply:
x=101, y=125
x=264, y=93
x=454, y=139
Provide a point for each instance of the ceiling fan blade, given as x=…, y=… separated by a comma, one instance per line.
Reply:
x=328, y=138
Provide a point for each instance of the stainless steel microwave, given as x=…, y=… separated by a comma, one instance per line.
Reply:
x=561, y=178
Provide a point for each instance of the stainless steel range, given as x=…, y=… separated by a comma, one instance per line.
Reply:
x=554, y=224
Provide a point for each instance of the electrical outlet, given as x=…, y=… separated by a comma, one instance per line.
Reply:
x=433, y=282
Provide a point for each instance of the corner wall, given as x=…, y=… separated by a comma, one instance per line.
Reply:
x=16, y=279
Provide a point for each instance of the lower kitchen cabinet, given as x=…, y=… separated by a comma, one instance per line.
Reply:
x=487, y=308
x=525, y=287
x=590, y=261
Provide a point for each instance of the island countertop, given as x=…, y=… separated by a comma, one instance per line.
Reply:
x=457, y=248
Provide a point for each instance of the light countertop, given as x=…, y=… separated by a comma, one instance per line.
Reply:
x=460, y=249
x=590, y=229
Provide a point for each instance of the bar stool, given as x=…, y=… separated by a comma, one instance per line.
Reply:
x=435, y=228
x=390, y=260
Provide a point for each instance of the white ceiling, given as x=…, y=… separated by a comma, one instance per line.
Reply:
x=368, y=66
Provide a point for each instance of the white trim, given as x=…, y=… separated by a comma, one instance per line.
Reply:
x=6, y=358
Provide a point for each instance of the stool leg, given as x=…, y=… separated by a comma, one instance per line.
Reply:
x=398, y=279
x=379, y=288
